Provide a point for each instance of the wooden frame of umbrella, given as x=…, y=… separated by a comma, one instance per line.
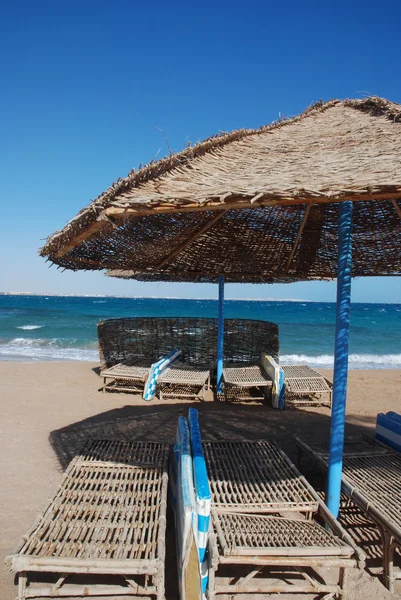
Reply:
x=260, y=206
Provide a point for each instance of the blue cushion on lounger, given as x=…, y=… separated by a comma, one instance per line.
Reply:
x=388, y=429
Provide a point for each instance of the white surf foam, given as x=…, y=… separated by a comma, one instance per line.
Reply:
x=356, y=361
x=52, y=349
x=44, y=349
x=29, y=327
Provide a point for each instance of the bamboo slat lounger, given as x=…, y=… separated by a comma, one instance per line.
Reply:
x=125, y=377
x=246, y=377
x=304, y=385
x=179, y=380
x=267, y=518
x=103, y=533
x=372, y=479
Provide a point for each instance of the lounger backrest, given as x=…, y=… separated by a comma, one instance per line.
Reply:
x=203, y=496
x=276, y=374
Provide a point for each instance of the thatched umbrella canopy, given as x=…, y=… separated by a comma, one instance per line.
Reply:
x=253, y=205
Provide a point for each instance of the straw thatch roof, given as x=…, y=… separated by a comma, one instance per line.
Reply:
x=253, y=205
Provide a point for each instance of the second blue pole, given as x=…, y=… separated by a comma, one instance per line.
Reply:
x=220, y=337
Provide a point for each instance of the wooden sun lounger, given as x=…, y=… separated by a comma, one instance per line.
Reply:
x=267, y=518
x=246, y=377
x=304, y=385
x=372, y=480
x=124, y=377
x=103, y=533
x=180, y=380
x=183, y=380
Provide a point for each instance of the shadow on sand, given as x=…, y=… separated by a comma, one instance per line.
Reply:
x=218, y=420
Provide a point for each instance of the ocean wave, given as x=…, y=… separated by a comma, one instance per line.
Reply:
x=29, y=327
x=55, y=349
x=44, y=349
x=355, y=361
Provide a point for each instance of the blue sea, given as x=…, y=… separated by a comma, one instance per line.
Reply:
x=64, y=328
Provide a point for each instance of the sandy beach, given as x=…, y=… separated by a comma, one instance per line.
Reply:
x=50, y=408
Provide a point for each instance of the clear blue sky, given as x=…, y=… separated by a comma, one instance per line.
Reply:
x=83, y=85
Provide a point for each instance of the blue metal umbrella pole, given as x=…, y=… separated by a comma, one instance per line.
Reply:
x=340, y=358
x=220, y=338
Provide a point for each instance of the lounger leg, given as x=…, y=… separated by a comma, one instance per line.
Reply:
x=342, y=582
x=22, y=581
x=160, y=583
x=211, y=583
x=59, y=583
x=388, y=561
x=206, y=387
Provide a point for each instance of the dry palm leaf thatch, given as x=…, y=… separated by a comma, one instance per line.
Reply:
x=253, y=205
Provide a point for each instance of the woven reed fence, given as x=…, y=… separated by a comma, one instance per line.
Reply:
x=145, y=339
